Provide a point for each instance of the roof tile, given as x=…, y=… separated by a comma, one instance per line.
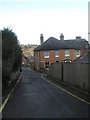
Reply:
x=55, y=44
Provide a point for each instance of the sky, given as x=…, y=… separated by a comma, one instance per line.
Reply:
x=30, y=18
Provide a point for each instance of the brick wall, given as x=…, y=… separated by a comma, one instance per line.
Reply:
x=40, y=60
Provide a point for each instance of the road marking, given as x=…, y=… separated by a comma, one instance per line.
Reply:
x=66, y=91
x=8, y=96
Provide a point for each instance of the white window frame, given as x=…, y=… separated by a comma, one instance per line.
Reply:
x=67, y=53
x=77, y=55
x=46, y=54
x=56, y=51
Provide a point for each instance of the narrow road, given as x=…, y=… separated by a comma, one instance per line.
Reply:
x=34, y=97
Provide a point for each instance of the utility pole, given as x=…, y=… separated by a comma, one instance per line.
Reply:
x=88, y=47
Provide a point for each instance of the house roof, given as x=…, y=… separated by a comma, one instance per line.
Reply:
x=55, y=44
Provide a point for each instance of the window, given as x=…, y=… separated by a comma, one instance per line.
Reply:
x=46, y=54
x=77, y=52
x=56, y=53
x=67, y=52
x=46, y=64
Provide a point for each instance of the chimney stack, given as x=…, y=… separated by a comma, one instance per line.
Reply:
x=78, y=37
x=41, y=39
x=61, y=37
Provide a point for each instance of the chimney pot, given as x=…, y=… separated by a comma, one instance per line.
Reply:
x=78, y=37
x=61, y=37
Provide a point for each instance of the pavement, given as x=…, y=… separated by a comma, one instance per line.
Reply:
x=35, y=97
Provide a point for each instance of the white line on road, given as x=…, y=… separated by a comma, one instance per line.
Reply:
x=66, y=91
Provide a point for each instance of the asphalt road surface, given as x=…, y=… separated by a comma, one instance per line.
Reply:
x=34, y=97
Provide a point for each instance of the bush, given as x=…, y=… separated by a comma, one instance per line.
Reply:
x=11, y=55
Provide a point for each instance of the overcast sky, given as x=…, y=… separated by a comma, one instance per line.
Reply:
x=30, y=18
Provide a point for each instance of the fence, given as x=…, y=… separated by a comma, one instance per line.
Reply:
x=75, y=74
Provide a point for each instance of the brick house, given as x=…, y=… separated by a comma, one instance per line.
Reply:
x=54, y=50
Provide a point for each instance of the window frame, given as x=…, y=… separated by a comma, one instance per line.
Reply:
x=67, y=55
x=55, y=52
x=77, y=55
x=47, y=64
x=46, y=55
